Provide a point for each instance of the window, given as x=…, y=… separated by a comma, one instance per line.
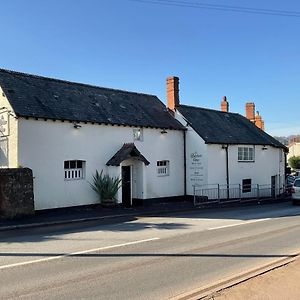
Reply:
x=137, y=134
x=162, y=167
x=245, y=153
x=246, y=186
x=74, y=169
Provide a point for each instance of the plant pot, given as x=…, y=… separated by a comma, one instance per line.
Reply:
x=108, y=202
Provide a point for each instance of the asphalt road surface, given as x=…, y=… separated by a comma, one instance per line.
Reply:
x=154, y=257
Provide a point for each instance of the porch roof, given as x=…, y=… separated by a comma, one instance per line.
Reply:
x=127, y=151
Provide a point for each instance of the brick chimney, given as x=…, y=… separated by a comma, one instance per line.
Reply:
x=259, y=121
x=173, y=92
x=250, y=111
x=224, y=104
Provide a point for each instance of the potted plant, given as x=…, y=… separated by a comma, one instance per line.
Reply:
x=106, y=187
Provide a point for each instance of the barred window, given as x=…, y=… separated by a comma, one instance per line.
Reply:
x=163, y=167
x=246, y=154
x=246, y=186
x=74, y=169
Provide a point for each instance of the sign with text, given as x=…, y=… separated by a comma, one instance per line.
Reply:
x=196, y=168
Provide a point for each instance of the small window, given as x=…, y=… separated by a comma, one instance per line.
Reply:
x=74, y=169
x=162, y=167
x=137, y=134
x=246, y=154
x=246, y=186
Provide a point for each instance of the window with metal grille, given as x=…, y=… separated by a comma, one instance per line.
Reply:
x=162, y=167
x=246, y=154
x=74, y=169
x=246, y=186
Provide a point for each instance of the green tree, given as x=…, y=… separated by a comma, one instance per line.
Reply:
x=294, y=162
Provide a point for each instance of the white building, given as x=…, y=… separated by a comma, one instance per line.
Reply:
x=226, y=149
x=66, y=131
x=294, y=148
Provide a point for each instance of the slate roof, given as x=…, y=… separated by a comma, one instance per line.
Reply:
x=127, y=151
x=217, y=127
x=41, y=97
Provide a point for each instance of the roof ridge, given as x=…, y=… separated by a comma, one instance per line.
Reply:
x=210, y=109
x=71, y=82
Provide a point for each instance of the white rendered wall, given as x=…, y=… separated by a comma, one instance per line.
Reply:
x=196, y=158
x=45, y=145
x=212, y=163
x=294, y=150
x=9, y=144
x=269, y=162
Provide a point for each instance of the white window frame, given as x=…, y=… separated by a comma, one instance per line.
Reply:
x=73, y=171
x=137, y=134
x=163, y=168
x=246, y=154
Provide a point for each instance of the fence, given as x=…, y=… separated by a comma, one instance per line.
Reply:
x=235, y=192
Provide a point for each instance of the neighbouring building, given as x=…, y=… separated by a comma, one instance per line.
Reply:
x=224, y=148
x=65, y=131
x=294, y=147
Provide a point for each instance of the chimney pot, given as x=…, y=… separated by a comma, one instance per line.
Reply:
x=172, y=92
x=224, y=104
x=259, y=121
x=250, y=109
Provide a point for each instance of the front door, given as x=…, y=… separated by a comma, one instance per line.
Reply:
x=273, y=186
x=126, y=186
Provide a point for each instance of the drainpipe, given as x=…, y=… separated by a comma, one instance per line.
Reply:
x=184, y=159
x=227, y=171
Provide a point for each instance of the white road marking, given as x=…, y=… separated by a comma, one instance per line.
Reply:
x=75, y=253
x=238, y=224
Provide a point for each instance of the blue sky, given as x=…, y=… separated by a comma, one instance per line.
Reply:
x=134, y=46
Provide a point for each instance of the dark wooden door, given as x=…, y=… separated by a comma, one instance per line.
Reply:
x=126, y=186
x=273, y=186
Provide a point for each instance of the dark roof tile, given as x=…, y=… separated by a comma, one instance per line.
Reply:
x=217, y=127
x=127, y=151
x=36, y=96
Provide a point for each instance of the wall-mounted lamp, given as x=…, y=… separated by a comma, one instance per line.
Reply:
x=264, y=148
x=164, y=131
x=76, y=125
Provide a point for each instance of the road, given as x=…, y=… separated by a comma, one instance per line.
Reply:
x=154, y=257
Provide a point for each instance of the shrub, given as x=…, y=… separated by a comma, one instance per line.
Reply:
x=294, y=162
x=105, y=186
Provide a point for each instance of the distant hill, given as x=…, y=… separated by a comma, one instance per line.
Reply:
x=286, y=139
x=282, y=139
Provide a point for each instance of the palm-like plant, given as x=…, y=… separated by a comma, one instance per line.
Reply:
x=106, y=187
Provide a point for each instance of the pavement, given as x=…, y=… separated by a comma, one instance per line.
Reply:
x=61, y=216
x=90, y=213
